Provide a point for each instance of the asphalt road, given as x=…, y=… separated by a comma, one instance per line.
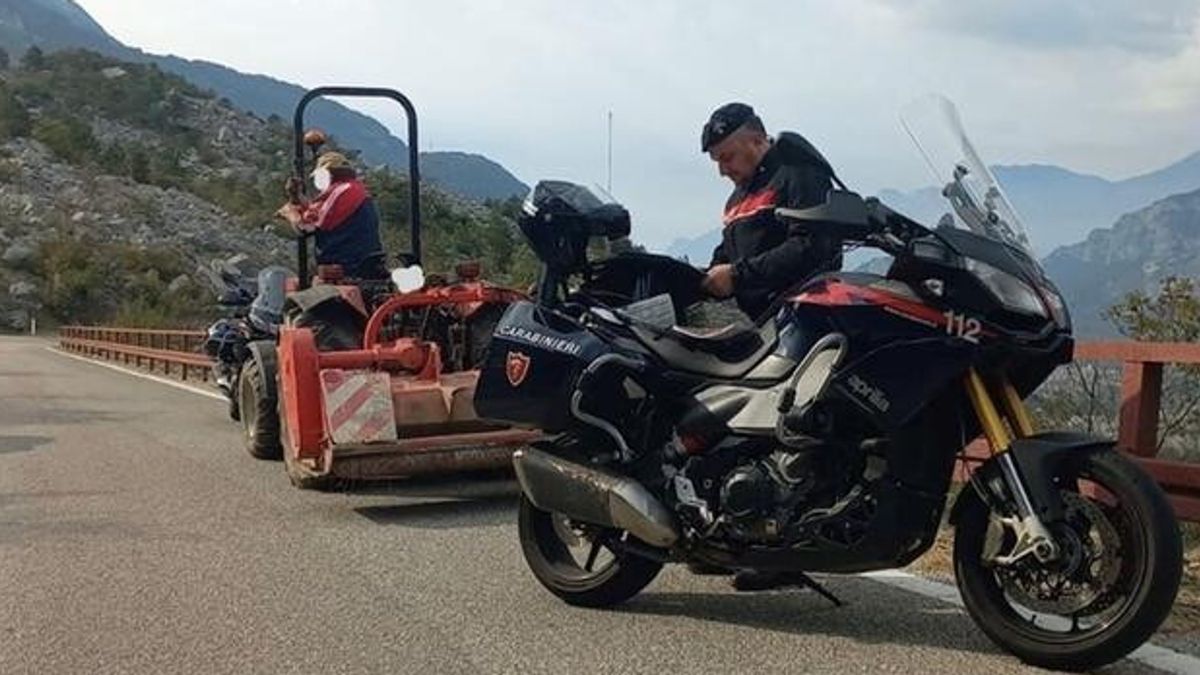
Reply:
x=137, y=536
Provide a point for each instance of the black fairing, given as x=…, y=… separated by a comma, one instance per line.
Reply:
x=886, y=352
x=556, y=350
x=940, y=253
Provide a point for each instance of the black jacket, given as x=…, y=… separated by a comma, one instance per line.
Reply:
x=769, y=256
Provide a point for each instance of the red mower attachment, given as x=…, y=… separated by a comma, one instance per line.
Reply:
x=387, y=410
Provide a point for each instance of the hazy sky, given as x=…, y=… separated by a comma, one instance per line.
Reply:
x=1110, y=87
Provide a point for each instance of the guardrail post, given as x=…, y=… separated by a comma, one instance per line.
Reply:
x=1141, y=394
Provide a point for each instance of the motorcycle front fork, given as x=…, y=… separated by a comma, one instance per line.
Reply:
x=1004, y=418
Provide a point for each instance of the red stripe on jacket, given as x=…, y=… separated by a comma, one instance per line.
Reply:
x=752, y=204
x=330, y=209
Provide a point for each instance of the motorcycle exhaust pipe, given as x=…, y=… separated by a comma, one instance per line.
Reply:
x=593, y=495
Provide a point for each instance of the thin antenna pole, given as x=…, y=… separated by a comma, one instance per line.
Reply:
x=609, y=188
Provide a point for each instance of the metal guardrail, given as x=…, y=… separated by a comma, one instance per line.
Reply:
x=178, y=352
x=174, y=352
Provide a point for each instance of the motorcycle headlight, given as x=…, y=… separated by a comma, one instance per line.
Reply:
x=1010, y=290
x=1058, y=307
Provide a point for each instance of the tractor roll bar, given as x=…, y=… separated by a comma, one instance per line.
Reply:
x=414, y=170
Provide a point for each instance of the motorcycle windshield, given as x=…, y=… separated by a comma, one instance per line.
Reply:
x=267, y=308
x=564, y=197
x=977, y=202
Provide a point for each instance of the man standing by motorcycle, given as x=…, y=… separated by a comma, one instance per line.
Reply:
x=759, y=257
x=344, y=218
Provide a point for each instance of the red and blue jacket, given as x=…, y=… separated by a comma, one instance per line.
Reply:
x=346, y=223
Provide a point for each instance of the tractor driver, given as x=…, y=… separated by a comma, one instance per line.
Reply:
x=344, y=219
x=760, y=257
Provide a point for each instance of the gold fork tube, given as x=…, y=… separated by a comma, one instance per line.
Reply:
x=997, y=434
x=1015, y=410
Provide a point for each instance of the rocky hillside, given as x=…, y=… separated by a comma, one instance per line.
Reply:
x=80, y=246
x=117, y=181
x=1142, y=248
x=62, y=25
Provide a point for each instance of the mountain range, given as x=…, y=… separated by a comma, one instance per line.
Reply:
x=1061, y=207
x=62, y=24
x=1137, y=252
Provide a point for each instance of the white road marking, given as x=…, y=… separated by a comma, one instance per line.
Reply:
x=144, y=376
x=1167, y=660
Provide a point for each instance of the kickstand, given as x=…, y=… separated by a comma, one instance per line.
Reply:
x=806, y=581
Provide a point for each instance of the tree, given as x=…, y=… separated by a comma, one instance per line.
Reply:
x=4, y=61
x=1173, y=315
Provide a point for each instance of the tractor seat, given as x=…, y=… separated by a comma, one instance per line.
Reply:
x=727, y=352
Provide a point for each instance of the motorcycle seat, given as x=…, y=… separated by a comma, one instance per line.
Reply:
x=729, y=352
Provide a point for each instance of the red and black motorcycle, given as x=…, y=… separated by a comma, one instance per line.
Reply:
x=823, y=438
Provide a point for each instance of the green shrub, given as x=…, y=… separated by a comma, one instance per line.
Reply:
x=14, y=118
x=68, y=137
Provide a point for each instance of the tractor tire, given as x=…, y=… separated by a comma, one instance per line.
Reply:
x=235, y=411
x=335, y=327
x=479, y=332
x=259, y=412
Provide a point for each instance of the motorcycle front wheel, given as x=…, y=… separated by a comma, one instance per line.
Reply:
x=577, y=562
x=1108, y=592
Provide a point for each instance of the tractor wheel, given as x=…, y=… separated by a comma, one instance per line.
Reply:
x=479, y=332
x=259, y=412
x=335, y=327
x=234, y=409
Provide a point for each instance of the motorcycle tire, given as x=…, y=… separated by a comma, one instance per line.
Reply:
x=1150, y=563
x=557, y=570
x=259, y=413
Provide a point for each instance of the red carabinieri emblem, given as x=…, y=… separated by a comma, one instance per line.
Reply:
x=516, y=367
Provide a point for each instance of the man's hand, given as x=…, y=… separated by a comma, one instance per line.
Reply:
x=291, y=213
x=293, y=189
x=719, y=281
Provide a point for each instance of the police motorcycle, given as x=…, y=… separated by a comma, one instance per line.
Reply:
x=823, y=438
x=253, y=314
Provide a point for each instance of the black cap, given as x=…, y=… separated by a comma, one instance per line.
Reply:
x=726, y=120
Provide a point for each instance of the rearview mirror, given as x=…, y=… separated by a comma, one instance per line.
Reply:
x=408, y=279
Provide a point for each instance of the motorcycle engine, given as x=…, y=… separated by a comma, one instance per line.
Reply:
x=752, y=497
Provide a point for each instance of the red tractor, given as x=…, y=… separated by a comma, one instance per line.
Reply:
x=376, y=380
